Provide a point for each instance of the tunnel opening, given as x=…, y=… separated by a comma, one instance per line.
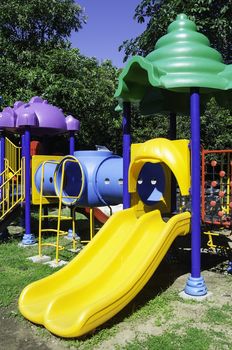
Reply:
x=151, y=183
x=70, y=173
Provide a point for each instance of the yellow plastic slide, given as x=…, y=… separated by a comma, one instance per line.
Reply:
x=105, y=276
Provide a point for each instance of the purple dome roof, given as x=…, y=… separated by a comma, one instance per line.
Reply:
x=42, y=117
x=72, y=123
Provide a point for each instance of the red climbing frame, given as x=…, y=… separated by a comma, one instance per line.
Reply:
x=216, y=189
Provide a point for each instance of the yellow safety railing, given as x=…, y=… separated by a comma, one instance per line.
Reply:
x=225, y=203
x=11, y=188
x=59, y=217
x=13, y=155
x=215, y=248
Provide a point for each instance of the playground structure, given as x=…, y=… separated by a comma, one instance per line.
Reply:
x=216, y=207
x=216, y=187
x=11, y=178
x=26, y=119
x=87, y=179
x=73, y=173
x=124, y=254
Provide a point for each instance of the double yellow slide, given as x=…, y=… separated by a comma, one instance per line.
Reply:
x=105, y=276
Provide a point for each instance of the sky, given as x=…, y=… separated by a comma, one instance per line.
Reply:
x=109, y=23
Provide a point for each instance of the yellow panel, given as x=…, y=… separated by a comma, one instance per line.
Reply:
x=175, y=154
x=105, y=276
x=36, y=162
x=13, y=155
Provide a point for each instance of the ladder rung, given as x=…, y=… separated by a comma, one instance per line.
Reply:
x=60, y=247
x=56, y=217
x=54, y=230
x=66, y=218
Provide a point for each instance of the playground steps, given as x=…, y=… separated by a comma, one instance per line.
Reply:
x=11, y=184
x=62, y=217
x=59, y=217
x=58, y=231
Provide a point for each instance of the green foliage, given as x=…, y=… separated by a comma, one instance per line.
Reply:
x=216, y=127
x=37, y=60
x=77, y=84
x=148, y=127
x=212, y=17
x=36, y=24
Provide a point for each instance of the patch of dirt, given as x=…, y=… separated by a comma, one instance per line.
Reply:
x=127, y=332
x=183, y=313
x=19, y=334
x=15, y=334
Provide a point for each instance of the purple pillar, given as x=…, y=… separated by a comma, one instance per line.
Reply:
x=2, y=157
x=28, y=238
x=195, y=285
x=2, y=154
x=126, y=125
x=195, y=185
x=71, y=142
x=22, y=145
x=172, y=136
x=22, y=218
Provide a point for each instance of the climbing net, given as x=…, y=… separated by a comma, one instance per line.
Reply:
x=216, y=196
x=216, y=187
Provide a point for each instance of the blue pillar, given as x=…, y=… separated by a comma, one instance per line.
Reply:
x=172, y=136
x=195, y=285
x=71, y=143
x=28, y=237
x=22, y=218
x=126, y=124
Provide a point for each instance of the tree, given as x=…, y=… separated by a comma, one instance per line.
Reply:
x=36, y=59
x=79, y=85
x=212, y=17
x=37, y=24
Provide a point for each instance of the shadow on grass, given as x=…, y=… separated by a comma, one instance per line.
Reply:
x=176, y=263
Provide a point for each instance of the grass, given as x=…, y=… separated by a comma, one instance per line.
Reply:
x=156, y=308
x=160, y=306
x=219, y=315
x=16, y=271
x=192, y=339
x=186, y=335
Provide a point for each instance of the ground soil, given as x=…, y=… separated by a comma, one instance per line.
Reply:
x=17, y=333
x=183, y=313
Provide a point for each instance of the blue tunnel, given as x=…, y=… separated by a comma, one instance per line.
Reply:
x=90, y=179
x=96, y=174
x=95, y=178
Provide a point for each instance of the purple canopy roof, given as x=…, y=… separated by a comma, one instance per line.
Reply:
x=42, y=117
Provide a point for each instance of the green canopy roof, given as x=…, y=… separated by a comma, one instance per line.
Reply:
x=181, y=59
